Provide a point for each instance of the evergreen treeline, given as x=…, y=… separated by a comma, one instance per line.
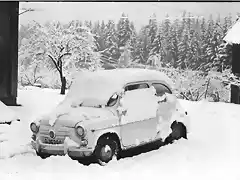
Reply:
x=188, y=42
x=192, y=43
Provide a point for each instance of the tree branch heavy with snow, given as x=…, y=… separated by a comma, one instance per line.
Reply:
x=64, y=45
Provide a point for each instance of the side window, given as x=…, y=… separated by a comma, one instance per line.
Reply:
x=161, y=89
x=136, y=86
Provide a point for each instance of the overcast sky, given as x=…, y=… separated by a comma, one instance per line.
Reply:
x=139, y=12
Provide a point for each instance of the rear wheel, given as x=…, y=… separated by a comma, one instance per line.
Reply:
x=106, y=149
x=178, y=131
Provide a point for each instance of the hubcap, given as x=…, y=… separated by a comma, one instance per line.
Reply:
x=176, y=132
x=106, y=153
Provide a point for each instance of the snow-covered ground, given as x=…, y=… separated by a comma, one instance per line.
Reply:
x=211, y=152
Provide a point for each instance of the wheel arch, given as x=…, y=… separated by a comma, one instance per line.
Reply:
x=181, y=124
x=111, y=134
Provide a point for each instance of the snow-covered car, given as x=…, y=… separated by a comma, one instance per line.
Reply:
x=107, y=111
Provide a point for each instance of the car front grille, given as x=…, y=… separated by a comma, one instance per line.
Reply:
x=60, y=134
x=61, y=131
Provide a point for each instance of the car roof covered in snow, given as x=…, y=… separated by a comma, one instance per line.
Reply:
x=127, y=75
x=98, y=86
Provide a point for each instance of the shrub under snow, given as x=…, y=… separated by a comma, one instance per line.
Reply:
x=197, y=85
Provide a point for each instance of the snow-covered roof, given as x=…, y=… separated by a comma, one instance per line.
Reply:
x=102, y=84
x=233, y=34
x=6, y=114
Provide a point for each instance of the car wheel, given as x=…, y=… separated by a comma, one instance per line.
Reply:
x=106, y=149
x=178, y=131
x=42, y=155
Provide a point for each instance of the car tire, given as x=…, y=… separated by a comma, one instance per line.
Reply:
x=106, y=149
x=178, y=131
x=42, y=155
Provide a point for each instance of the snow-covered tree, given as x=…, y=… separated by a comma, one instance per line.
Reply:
x=152, y=33
x=124, y=31
x=142, y=45
x=111, y=51
x=64, y=46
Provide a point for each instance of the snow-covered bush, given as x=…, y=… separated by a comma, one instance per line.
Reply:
x=197, y=85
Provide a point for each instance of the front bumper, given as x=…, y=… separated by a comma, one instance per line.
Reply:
x=61, y=149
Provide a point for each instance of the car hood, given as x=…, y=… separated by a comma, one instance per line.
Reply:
x=71, y=116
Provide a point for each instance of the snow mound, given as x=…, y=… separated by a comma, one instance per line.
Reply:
x=6, y=114
x=11, y=143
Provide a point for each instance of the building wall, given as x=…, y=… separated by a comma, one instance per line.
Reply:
x=236, y=59
x=8, y=51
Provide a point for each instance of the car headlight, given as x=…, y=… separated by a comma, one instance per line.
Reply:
x=80, y=131
x=34, y=128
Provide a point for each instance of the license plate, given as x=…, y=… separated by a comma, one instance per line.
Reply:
x=53, y=147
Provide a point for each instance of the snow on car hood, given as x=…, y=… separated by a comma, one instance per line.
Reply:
x=92, y=90
x=6, y=114
x=70, y=116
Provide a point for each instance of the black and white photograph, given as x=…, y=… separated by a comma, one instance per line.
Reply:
x=119, y=90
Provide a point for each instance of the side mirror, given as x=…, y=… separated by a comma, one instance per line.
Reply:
x=113, y=100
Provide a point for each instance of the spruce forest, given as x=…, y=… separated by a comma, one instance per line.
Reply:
x=189, y=43
x=190, y=50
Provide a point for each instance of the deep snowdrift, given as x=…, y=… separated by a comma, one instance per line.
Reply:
x=211, y=152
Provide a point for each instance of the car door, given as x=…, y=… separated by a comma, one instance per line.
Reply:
x=138, y=122
x=165, y=110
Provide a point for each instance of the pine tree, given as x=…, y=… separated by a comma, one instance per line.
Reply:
x=212, y=43
x=134, y=44
x=111, y=43
x=123, y=31
x=142, y=45
x=202, y=43
x=222, y=60
x=124, y=34
x=99, y=30
x=88, y=24
x=166, y=30
x=174, y=42
x=152, y=32
x=183, y=46
x=193, y=46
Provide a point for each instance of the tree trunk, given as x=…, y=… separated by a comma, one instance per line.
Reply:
x=63, y=87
